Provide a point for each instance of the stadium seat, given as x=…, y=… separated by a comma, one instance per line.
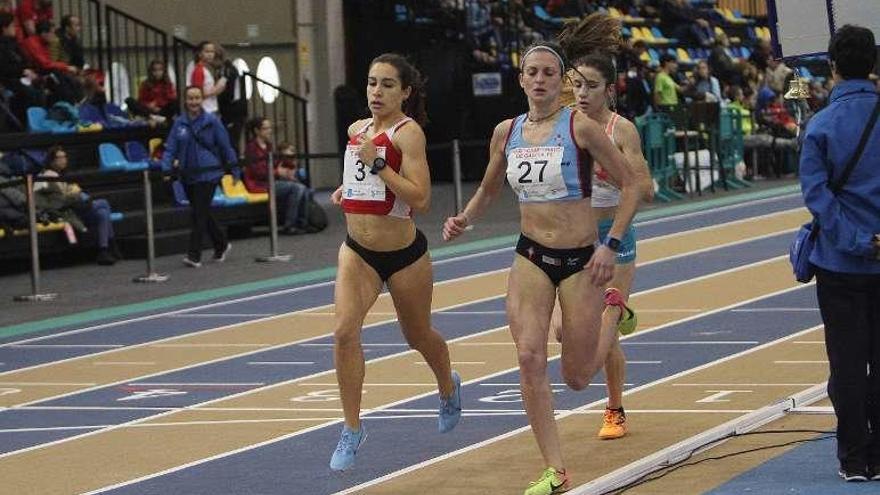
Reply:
x=112, y=159
x=136, y=152
x=221, y=199
x=36, y=117
x=236, y=189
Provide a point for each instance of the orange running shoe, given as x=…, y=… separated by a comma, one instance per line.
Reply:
x=613, y=424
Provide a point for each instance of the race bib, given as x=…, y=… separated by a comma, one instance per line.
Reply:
x=535, y=173
x=357, y=181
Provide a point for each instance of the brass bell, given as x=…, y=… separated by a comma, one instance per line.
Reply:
x=798, y=88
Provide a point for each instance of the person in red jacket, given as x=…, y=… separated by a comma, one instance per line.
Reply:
x=32, y=12
x=290, y=193
x=36, y=48
x=157, y=95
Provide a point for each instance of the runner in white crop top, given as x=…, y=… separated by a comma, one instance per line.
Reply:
x=593, y=90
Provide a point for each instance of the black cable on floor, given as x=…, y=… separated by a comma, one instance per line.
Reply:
x=662, y=471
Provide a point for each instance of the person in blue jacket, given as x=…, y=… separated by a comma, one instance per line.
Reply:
x=198, y=145
x=847, y=251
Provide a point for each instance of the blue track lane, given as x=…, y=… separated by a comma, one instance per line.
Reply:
x=299, y=463
x=296, y=298
x=318, y=351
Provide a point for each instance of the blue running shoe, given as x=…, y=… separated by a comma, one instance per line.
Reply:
x=450, y=407
x=349, y=442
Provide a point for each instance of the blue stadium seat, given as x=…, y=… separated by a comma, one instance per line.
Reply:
x=112, y=159
x=36, y=117
x=135, y=151
x=116, y=216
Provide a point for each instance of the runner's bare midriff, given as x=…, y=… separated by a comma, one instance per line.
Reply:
x=379, y=232
x=559, y=224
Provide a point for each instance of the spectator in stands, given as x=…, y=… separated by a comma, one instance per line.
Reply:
x=290, y=193
x=482, y=36
x=60, y=76
x=722, y=64
x=156, y=95
x=71, y=46
x=231, y=101
x=204, y=77
x=94, y=212
x=32, y=12
x=847, y=251
x=706, y=85
x=775, y=75
x=198, y=146
x=681, y=20
x=760, y=54
x=17, y=81
x=666, y=90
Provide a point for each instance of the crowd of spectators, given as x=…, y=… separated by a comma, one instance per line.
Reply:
x=695, y=52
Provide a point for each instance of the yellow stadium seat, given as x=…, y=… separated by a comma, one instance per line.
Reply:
x=51, y=227
x=647, y=35
x=153, y=144
x=613, y=12
x=235, y=189
x=683, y=55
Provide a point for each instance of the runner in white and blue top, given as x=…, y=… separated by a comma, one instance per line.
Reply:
x=544, y=157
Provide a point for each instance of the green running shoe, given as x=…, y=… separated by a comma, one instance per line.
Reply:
x=550, y=482
x=628, y=319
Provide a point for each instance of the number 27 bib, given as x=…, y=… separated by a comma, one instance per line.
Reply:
x=535, y=173
x=357, y=181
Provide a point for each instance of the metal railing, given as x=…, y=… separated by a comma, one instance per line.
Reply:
x=287, y=111
x=131, y=45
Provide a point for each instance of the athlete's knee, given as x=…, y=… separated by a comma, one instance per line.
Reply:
x=576, y=379
x=532, y=363
x=346, y=336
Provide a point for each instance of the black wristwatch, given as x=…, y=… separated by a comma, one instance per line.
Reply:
x=378, y=164
x=612, y=244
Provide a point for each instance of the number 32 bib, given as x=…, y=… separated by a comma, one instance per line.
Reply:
x=535, y=173
x=357, y=182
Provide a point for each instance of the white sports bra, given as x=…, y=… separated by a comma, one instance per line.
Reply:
x=605, y=194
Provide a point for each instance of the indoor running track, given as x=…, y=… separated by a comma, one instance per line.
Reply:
x=239, y=396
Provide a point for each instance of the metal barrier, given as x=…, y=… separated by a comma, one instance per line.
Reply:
x=35, y=294
x=151, y=276
x=273, y=220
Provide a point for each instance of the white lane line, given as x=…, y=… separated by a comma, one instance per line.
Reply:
x=478, y=363
x=330, y=344
x=694, y=342
x=124, y=363
x=294, y=290
x=196, y=384
x=65, y=346
x=743, y=384
x=48, y=384
x=411, y=398
x=281, y=363
x=552, y=385
x=326, y=372
x=775, y=310
x=473, y=313
x=210, y=345
x=484, y=443
x=222, y=315
x=403, y=414
x=825, y=361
